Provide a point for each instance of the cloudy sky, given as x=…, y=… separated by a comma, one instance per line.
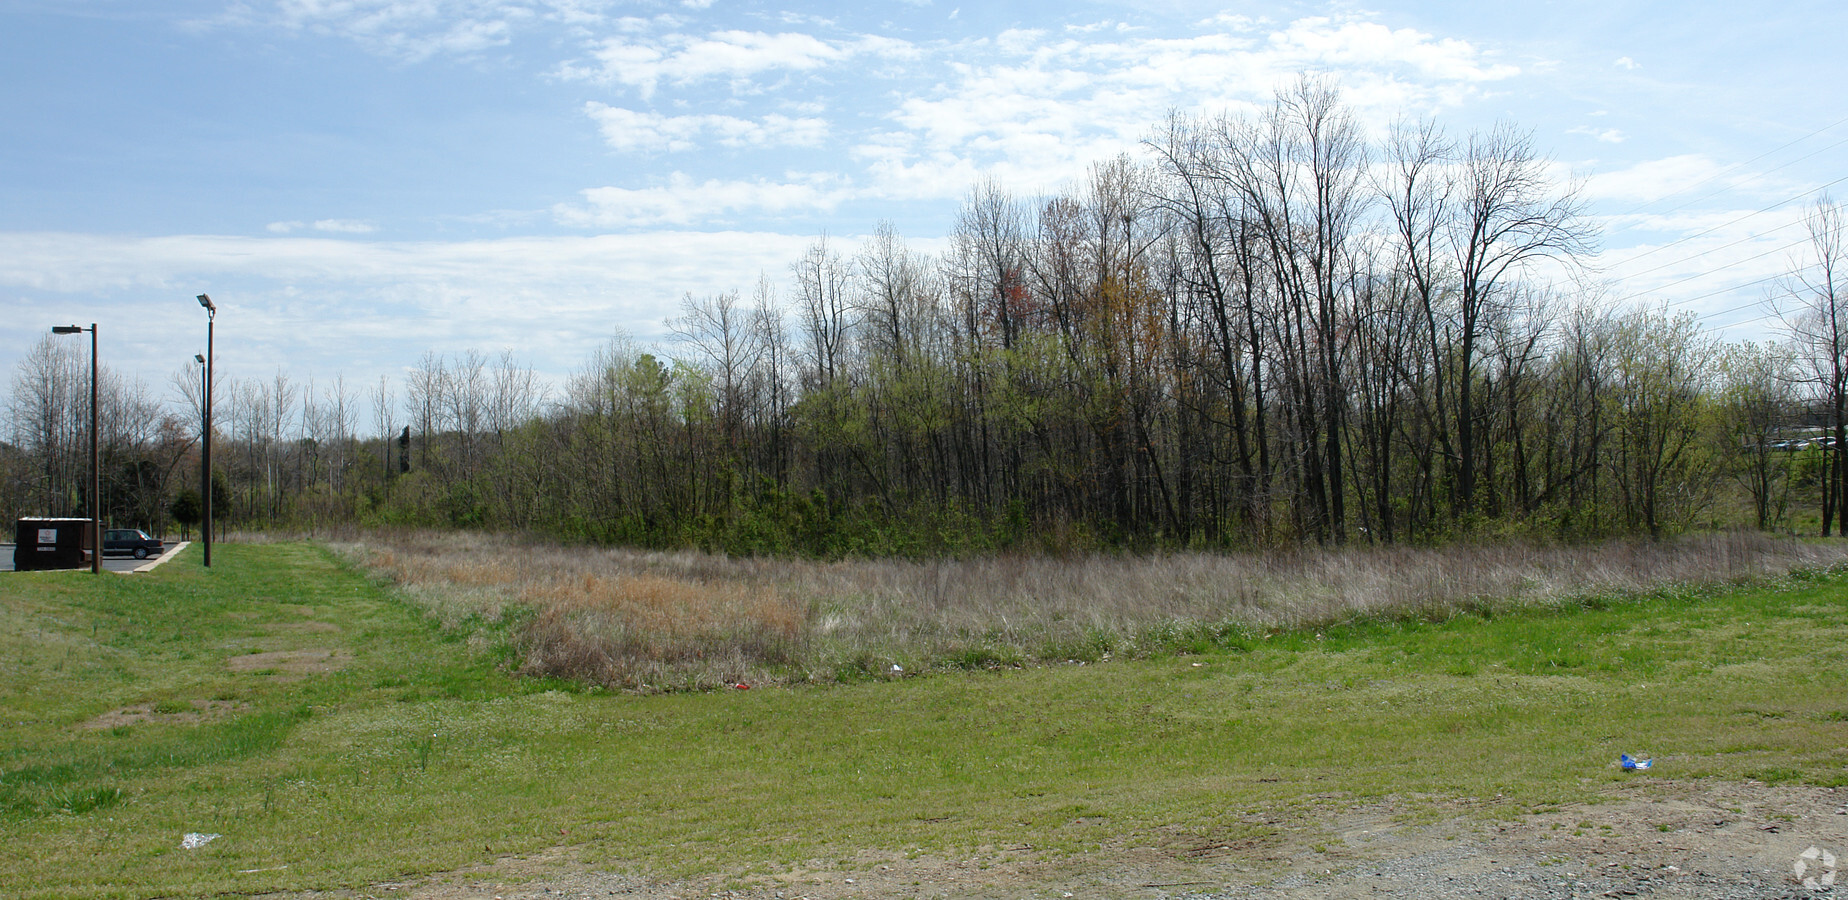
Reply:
x=357, y=182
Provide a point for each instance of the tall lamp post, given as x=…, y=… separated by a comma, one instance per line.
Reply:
x=205, y=465
x=96, y=497
x=211, y=314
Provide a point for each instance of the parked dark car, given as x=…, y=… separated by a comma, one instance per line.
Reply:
x=131, y=541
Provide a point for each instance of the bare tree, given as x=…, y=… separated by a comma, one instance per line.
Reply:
x=1812, y=301
x=465, y=396
x=1299, y=172
x=342, y=415
x=50, y=421
x=772, y=377
x=1418, y=182
x=424, y=390
x=1757, y=402
x=897, y=297
x=1221, y=271
x=383, y=409
x=718, y=329
x=312, y=445
x=985, y=275
x=514, y=395
x=1508, y=216
x=824, y=308
x=282, y=418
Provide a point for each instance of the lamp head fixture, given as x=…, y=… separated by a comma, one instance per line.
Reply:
x=206, y=302
x=68, y=329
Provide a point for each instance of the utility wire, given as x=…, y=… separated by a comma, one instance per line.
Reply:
x=1733, y=222
x=1741, y=307
x=1729, y=169
x=1724, y=267
x=1709, y=273
x=1776, y=168
x=1712, y=250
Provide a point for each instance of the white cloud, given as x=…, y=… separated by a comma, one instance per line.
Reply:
x=631, y=131
x=1039, y=104
x=683, y=201
x=1603, y=135
x=1044, y=108
x=344, y=226
x=1624, y=62
x=321, y=305
x=644, y=62
x=1231, y=21
x=334, y=226
x=1323, y=42
x=419, y=29
x=897, y=174
x=80, y=263
x=1656, y=179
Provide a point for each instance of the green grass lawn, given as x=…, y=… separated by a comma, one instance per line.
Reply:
x=414, y=753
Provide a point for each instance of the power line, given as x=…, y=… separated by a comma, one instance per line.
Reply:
x=1638, y=295
x=1785, y=165
x=1741, y=307
x=1724, y=267
x=1728, y=224
x=1743, y=322
x=1728, y=290
x=1739, y=165
x=1712, y=250
x=1733, y=222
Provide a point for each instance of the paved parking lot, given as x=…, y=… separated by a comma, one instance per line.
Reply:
x=123, y=564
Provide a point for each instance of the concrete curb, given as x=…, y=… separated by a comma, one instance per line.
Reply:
x=158, y=561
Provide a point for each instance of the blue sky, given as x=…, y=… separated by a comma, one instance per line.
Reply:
x=357, y=182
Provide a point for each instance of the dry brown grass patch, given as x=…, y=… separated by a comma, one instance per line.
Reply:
x=652, y=620
x=197, y=711
x=647, y=631
x=671, y=608
x=291, y=663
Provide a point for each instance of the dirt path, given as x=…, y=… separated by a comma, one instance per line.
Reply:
x=1700, y=840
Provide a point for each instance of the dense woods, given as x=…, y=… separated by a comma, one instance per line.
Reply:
x=1263, y=330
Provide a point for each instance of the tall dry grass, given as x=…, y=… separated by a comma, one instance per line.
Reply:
x=644, y=620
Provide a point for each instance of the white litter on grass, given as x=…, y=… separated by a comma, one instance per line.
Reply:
x=194, y=840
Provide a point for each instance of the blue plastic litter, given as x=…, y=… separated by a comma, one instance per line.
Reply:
x=1631, y=763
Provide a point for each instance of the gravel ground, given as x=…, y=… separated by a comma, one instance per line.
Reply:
x=1695, y=840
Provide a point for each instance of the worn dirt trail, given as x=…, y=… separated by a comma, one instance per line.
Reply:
x=1699, y=840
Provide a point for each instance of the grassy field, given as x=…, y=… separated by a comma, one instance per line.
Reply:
x=337, y=734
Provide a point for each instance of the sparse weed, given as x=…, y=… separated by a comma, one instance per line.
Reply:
x=650, y=620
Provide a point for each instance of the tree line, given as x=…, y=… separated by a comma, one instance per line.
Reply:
x=1265, y=329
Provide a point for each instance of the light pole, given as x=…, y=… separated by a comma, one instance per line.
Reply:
x=211, y=314
x=96, y=497
x=205, y=466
